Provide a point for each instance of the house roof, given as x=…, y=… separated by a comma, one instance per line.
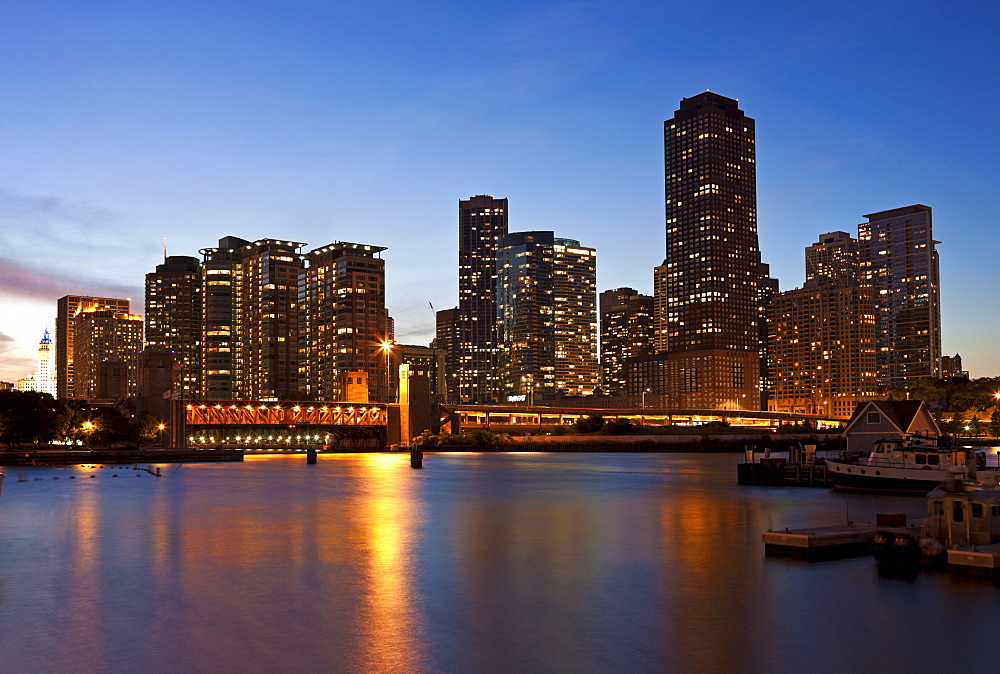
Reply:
x=899, y=412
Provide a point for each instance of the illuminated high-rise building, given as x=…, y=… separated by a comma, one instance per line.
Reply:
x=482, y=223
x=446, y=339
x=822, y=336
x=173, y=318
x=251, y=319
x=899, y=260
x=67, y=309
x=547, y=310
x=343, y=309
x=105, y=336
x=710, y=282
x=627, y=331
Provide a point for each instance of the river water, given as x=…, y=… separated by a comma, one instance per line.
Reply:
x=478, y=562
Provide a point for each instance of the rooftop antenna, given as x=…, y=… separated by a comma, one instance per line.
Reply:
x=164, y=250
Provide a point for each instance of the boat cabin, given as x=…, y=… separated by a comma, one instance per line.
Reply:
x=960, y=514
x=923, y=453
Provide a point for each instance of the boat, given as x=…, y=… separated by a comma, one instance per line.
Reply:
x=963, y=520
x=915, y=464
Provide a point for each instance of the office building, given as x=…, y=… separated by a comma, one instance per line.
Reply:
x=345, y=320
x=67, y=309
x=173, y=318
x=547, y=304
x=627, y=331
x=899, y=260
x=710, y=282
x=106, y=343
x=482, y=223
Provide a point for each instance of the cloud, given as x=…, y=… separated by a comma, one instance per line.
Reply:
x=16, y=363
x=24, y=282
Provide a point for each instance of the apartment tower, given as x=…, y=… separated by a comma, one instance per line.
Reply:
x=482, y=223
x=173, y=318
x=899, y=260
x=67, y=309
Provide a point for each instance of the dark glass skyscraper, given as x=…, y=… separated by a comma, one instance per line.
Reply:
x=173, y=317
x=482, y=223
x=712, y=276
x=900, y=261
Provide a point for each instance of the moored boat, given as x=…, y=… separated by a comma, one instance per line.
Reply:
x=913, y=465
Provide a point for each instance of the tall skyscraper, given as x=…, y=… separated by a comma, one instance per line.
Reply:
x=482, y=223
x=712, y=274
x=833, y=259
x=67, y=309
x=899, y=260
x=105, y=336
x=173, y=318
x=546, y=298
x=627, y=331
x=343, y=302
x=220, y=339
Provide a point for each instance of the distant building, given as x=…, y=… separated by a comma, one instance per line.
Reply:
x=834, y=259
x=951, y=368
x=43, y=379
x=547, y=308
x=173, y=318
x=708, y=287
x=446, y=339
x=67, y=309
x=899, y=260
x=106, y=336
x=423, y=361
x=482, y=224
x=875, y=420
x=627, y=331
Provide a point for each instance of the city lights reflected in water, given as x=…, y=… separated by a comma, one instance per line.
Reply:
x=486, y=562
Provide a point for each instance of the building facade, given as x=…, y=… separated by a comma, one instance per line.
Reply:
x=482, y=224
x=446, y=339
x=899, y=260
x=173, y=318
x=67, y=309
x=103, y=339
x=710, y=281
x=344, y=314
x=547, y=315
x=627, y=331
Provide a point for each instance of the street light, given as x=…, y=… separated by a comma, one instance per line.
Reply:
x=88, y=428
x=386, y=347
x=644, y=397
x=161, y=427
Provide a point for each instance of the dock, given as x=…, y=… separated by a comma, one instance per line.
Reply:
x=781, y=473
x=978, y=560
x=819, y=543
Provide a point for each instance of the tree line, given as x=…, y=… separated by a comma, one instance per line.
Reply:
x=30, y=417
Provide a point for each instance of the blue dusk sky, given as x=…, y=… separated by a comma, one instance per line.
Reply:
x=124, y=123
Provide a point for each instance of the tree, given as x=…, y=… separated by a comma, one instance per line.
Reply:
x=995, y=423
x=621, y=427
x=111, y=426
x=975, y=426
x=591, y=424
x=28, y=416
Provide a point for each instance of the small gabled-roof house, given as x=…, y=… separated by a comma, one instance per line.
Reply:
x=875, y=420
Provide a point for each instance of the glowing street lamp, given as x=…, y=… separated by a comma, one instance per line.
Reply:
x=386, y=347
x=160, y=427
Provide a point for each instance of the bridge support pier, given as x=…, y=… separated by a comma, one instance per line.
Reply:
x=311, y=455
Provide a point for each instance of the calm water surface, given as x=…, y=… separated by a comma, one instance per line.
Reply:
x=498, y=562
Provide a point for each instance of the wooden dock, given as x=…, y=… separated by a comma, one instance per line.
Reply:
x=780, y=473
x=819, y=543
x=47, y=457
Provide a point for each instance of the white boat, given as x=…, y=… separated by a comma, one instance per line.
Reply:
x=914, y=465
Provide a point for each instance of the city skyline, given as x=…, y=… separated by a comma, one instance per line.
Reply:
x=102, y=162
